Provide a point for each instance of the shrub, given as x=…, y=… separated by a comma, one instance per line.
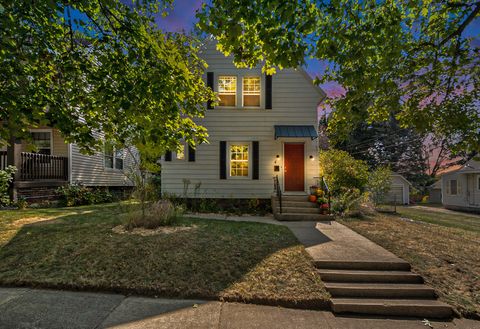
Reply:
x=159, y=213
x=347, y=202
x=6, y=177
x=379, y=184
x=342, y=171
x=78, y=195
x=22, y=203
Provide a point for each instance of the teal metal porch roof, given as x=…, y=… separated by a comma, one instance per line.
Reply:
x=295, y=131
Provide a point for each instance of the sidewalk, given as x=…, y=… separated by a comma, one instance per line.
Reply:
x=32, y=308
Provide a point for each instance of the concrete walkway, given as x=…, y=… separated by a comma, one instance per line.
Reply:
x=332, y=241
x=31, y=308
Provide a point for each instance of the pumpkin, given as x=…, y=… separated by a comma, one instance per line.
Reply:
x=312, y=198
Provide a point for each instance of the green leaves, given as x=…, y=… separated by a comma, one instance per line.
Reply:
x=406, y=58
x=99, y=68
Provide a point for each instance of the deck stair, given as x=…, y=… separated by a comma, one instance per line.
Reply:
x=297, y=208
x=380, y=288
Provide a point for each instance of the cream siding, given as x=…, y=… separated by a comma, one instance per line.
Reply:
x=90, y=170
x=294, y=102
x=468, y=196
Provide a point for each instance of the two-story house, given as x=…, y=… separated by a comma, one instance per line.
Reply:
x=263, y=127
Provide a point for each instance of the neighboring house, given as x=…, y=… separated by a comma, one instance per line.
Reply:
x=400, y=190
x=435, y=192
x=264, y=126
x=56, y=163
x=461, y=188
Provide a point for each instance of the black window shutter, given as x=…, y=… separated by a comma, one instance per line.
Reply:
x=191, y=154
x=256, y=161
x=223, y=160
x=210, y=80
x=268, y=92
x=168, y=156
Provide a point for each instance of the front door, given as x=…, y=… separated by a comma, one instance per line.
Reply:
x=294, y=172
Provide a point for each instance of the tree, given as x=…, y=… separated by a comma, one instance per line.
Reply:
x=411, y=58
x=388, y=144
x=342, y=171
x=94, y=68
x=379, y=184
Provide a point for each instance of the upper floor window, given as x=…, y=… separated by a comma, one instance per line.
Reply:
x=251, y=91
x=42, y=141
x=180, y=154
x=227, y=90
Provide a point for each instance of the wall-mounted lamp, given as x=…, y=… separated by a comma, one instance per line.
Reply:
x=311, y=157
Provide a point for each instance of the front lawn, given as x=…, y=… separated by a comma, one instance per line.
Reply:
x=75, y=248
x=439, y=216
x=447, y=257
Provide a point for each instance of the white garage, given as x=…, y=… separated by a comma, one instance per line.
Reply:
x=400, y=190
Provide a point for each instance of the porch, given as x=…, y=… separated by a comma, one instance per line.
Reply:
x=38, y=167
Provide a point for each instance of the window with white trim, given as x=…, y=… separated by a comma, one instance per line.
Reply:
x=239, y=160
x=113, y=158
x=42, y=140
x=453, y=187
x=227, y=90
x=251, y=91
x=180, y=154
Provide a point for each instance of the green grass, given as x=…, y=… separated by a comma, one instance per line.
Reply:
x=468, y=222
x=447, y=257
x=75, y=248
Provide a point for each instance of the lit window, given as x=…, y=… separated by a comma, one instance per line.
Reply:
x=239, y=160
x=181, y=152
x=251, y=91
x=42, y=142
x=227, y=90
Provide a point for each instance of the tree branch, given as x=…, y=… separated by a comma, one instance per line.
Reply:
x=462, y=26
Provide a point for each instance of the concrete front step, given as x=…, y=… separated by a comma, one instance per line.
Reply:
x=303, y=204
x=363, y=265
x=369, y=276
x=380, y=290
x=393, y=307
x=294, y=197
x=302, y=217
x=299, y=210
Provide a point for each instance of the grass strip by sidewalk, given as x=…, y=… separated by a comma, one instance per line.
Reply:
x=468, y=222
x=233, y=261
x=448, y=258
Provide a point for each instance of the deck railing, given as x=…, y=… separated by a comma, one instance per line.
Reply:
x=35, y=166
x=3, y=160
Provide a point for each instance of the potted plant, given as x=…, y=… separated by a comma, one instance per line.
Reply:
x=313, y=189
x=319, y=192
x=321, y=200
x=324, y=208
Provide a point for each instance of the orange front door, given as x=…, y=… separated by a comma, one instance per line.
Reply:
x=294, y=167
